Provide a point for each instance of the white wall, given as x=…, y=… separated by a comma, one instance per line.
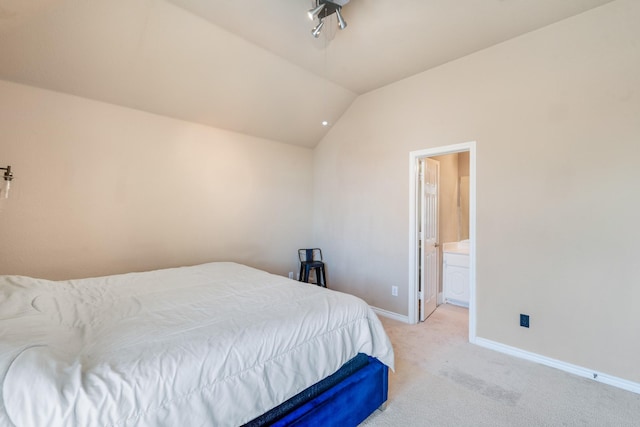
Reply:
x=556, y=117
x=101, y=189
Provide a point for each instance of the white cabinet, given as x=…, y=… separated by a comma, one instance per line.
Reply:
x=455, y=280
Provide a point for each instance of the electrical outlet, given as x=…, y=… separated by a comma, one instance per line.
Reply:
x=524, y=320
x=394, y=291
x=291, y=275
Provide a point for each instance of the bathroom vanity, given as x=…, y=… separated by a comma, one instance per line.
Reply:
x=455, y=268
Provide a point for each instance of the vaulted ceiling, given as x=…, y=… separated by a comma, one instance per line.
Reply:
x=249, y=66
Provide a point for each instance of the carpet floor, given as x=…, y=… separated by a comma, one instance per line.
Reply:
x=442, y=380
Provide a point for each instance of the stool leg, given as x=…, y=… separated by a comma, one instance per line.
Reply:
x=300, y=274
x=324, y=278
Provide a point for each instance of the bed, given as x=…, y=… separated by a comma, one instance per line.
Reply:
x=217, y=344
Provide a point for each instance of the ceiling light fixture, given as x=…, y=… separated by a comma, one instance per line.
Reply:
x=324, y=8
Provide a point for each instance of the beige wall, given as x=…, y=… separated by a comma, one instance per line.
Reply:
x=555, y=114
x=101, y=189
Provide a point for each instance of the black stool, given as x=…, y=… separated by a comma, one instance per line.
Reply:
x=311, y=259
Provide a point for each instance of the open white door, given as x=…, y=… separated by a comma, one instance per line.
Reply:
x=428, y=254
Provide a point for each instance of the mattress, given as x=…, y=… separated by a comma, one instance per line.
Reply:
x=214, y=344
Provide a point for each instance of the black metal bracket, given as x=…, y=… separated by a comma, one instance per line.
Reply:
x=329, y=8
x=8, y=175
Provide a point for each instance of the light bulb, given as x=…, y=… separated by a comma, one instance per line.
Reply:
x=5, y=190
x=312, y=13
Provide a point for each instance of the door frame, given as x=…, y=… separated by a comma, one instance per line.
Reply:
x=413, y=234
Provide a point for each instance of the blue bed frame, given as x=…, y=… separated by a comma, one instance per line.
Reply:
x=344, y=399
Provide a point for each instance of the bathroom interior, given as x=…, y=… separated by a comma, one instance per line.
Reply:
x=453, y=286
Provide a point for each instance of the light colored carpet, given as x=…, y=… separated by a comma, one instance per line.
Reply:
x=442, y=380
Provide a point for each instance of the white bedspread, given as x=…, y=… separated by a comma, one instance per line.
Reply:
x=211, y=345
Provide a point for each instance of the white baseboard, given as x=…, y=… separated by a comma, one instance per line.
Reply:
x=390, y=314
x=536, y=358
x=558, y=364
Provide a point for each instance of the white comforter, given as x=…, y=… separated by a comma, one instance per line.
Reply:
x=211, y=345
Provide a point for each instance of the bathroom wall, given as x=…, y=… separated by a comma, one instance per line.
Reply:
x=463, y=163
x=463, y=189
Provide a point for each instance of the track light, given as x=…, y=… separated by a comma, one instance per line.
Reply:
x=341, y=22
x=316, y=30
x=324, y=8
x=8, y=177
x=315, y=11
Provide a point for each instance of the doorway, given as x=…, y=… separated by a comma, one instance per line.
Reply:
x=416, y=252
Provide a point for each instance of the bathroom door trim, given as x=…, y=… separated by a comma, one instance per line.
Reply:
x=414, y=156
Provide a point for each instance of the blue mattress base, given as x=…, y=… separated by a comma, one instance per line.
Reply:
x=362, y=388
